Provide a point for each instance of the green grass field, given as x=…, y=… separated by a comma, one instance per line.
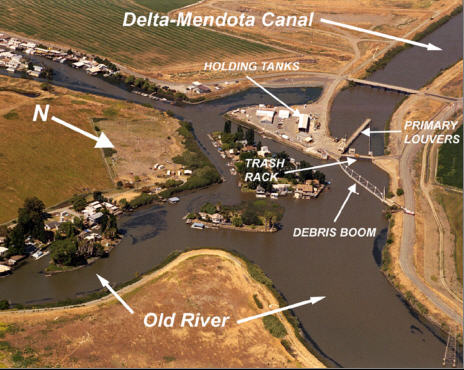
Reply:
x=96, y=27
x=165, y=5
x=449, y=171
x=452, y=204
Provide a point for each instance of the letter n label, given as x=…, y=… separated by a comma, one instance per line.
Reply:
x=43, y=114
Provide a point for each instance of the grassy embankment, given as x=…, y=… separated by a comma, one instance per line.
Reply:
x=143, y=48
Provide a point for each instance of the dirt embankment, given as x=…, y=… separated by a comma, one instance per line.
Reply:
x=103, y=334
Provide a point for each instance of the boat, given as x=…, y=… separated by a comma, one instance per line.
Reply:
x=198, y=225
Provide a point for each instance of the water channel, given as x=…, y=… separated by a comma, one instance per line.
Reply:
x=362, y=322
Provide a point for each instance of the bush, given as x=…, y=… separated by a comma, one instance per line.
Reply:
x=257, y=301
x=274, y=326
x=4, y=304
x=399, y=191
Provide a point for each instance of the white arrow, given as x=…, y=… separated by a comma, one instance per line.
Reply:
x=349, y=161
x=312, y=300
x=106, y=284
x=427, y=46
x=352, y=190
x=102, y=141
x=296, y=113
x=368, y=131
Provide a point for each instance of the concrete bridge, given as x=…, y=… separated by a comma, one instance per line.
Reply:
x=400, y=89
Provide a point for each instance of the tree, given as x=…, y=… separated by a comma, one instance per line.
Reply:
x=208, y=208
x=239, y=134
x=32, y=218
x=111, y=227
x=227, y=126
x=3, y=230
x=79, y=202
x=237, y=221
x=64, y=252
x=66, y=230
x=399, y=191
x=15, y=240
x=250, y=136
x=78, y=223
x=129, y=80
x=30, y=66
x=259, y=145
x=98, y=195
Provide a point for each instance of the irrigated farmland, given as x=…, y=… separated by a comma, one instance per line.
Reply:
x=165, y=5
x=96, y=27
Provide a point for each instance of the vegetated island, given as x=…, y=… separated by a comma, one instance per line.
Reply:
x=264, y=172
x=260, y=215
x=215, y=281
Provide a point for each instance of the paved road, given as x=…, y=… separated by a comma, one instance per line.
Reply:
x=409, y=227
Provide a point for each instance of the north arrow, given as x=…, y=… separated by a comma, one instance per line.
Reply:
x=352, y=189
x=368, y=132
x=312, y=300
x=296, y=113
x=349, y=161
x=102, y=141
x=106, y=284
x=353, y=28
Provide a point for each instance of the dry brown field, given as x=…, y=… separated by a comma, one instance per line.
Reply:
x=106, y=335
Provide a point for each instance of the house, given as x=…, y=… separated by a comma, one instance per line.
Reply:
x=202, y=89
x=281, y=189
x=52, y=225
x=4, y=269
x=174, y=200
x=264, y=151
x=3, y=251
x=95, y=216
x=15, y=259
x=310, y=189
x=2, y=239
x=198, y=225
x=283, y=113
x=217, y=218
x=188, y=172
x=260, y=192
x=304, y=191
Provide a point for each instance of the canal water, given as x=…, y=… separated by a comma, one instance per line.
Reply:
x=362, y=322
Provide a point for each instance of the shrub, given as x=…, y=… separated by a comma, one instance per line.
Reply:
x=274, y=326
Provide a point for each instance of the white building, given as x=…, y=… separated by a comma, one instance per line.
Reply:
x=303, y=123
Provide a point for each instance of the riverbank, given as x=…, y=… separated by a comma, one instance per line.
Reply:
x=136, y=294
x=413, y=259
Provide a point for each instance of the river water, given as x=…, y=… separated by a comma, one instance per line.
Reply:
x=362, y=322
